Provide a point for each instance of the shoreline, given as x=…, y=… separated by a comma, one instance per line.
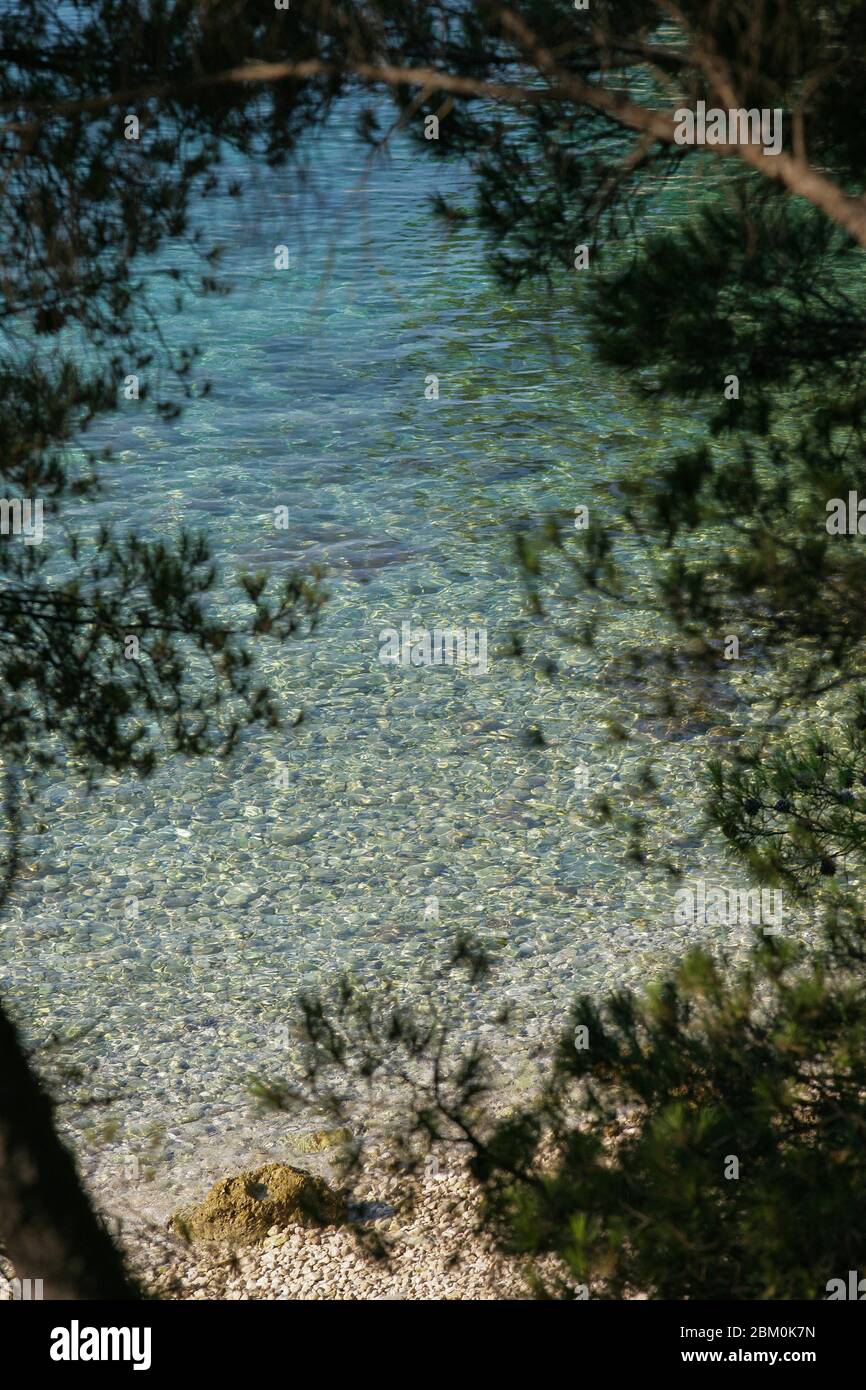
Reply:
x=437, y=1252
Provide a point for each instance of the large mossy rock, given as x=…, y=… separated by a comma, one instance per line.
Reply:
x=241, y=1210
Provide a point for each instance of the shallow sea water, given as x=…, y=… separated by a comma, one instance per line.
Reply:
x=413, y=806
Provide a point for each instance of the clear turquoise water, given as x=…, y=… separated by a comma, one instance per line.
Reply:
x=402, y=785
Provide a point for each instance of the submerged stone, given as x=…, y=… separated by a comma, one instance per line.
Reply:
x=320, y=1140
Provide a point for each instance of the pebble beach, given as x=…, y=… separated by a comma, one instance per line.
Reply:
x=434, y=1253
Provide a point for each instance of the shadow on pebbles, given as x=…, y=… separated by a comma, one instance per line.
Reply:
x=436, y=1252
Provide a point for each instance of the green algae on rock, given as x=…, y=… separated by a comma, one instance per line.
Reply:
x=242, y=1209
